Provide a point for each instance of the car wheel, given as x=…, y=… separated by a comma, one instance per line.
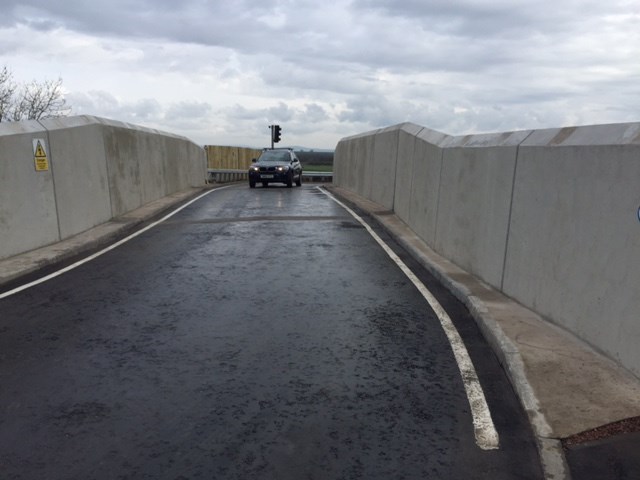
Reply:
x=290, y=180
x=299, y=180
x=264, y=184
x=252, y=184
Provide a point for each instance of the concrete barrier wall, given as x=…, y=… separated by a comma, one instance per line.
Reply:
x=98, y=169
x=474, y=202
x=407, y=139
x=549, y=217
x=341, y=171
x=424, y=188
x=384, y=167
x=358, y=173
x=574, y=243
x=28, y=212
x=79, y=167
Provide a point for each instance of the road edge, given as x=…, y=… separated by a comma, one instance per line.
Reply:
x=33, y=262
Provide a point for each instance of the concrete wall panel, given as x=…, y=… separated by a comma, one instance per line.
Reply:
x=197, y=159
x=360, y=176
x=98, y=169
x=28, y=214
x=384, y=155
x=124, y=169
x=176, y=171
x=425, y=187
x=81, y=180
x=366, y=148
x=404, y=169
x=354, y=162
x=551, y=217
x=185, y=164
x=341, y=164
x=152, y=162
x=574, y=241
x=475, y=200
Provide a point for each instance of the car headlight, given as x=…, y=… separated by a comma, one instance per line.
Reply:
x=254, y=169
x=283, y=169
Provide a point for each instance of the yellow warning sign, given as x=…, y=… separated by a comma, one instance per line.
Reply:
x=40, y=155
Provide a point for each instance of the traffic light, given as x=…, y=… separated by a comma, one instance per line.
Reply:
x=276, y=133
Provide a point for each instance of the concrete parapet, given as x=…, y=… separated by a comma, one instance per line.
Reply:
x=356, y=176
x=97, y=169
x=550, y=217
x=28, y=213
x=383, y=168
x=81, y=179
x=407, y=138
x=474, y=202
x=574, y=239
x=425, y=186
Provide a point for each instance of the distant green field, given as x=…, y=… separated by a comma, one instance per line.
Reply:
x=317, y=168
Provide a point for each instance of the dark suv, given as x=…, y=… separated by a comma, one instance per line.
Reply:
x=278, y=165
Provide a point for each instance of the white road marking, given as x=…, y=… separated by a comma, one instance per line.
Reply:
x=105, y=250
x=485, y=431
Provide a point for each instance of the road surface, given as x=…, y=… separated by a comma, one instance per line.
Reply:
x=256, y=334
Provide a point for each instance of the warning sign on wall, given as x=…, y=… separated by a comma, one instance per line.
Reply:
x=40, y=155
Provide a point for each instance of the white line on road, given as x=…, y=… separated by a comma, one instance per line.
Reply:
x=105, y=250
x=485, y=431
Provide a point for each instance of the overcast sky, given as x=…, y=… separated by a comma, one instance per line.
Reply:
x=220, y=72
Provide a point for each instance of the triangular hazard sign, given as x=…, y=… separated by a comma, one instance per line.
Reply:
x=40, y=153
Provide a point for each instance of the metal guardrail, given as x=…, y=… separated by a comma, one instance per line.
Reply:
x=218, y=175
x=317, y=176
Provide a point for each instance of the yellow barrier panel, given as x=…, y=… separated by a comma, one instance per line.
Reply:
x=230, y=158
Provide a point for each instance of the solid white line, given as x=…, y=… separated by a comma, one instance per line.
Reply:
x=485, y=431
x=105, y=250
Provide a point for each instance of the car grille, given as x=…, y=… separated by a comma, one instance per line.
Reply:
x=267, y=169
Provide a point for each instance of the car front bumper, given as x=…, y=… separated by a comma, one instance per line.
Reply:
x=269, y=176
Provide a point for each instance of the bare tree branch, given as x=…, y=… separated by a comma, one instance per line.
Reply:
x=34, y=101
x=7, y=90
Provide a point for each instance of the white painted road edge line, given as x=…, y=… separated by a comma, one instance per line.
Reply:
x=485, y=431
x=102, y=252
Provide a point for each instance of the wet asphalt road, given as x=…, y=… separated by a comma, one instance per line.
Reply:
x=257, y=334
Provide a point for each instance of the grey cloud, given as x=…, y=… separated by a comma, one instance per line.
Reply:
x=500, y=18
x=404, y=35
x=299, y=120
x=92, y=102
x=241, y=113
x=453, y=65
x=189, y=110
x=143, y=110
x=224, y=24
x=278, y=113
x=378, y=111
x=315, y=113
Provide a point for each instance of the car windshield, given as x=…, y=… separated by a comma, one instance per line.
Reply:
x=274, y=156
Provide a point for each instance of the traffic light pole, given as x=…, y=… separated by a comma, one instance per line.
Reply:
x=275, y=134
